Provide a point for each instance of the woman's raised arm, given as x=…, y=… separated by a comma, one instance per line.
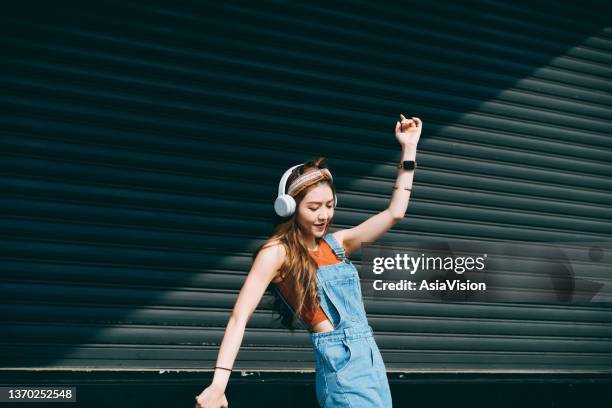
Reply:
x=263, y=271
x=407, y=132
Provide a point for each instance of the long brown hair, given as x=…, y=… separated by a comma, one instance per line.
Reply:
x=298, y=270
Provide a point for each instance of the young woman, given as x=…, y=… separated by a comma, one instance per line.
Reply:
x=318, y=284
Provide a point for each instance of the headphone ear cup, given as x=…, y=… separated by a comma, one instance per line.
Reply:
x=284, y=205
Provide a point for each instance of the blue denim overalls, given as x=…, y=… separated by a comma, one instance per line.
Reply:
x=350, y=371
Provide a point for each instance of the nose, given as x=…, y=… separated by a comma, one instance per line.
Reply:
x=325, y=216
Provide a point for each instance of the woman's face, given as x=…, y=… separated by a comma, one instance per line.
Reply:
x=316, y=210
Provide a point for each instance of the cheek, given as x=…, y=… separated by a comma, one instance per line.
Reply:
x=306, y=217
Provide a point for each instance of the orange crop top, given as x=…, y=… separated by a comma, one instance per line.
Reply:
x=324, y=255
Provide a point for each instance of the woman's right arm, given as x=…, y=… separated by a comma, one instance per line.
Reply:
x=264, y=270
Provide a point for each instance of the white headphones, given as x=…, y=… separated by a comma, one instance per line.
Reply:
x=285, y=204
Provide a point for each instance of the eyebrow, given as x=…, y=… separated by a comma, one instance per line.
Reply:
x=318, y=202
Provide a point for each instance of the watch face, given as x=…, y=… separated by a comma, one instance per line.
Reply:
x=409, y=164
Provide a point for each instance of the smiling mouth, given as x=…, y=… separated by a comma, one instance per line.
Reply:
x=320, y=225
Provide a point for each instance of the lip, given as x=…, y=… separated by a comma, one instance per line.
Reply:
x=322, y=226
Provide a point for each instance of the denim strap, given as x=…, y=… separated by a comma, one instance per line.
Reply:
x=335, y=246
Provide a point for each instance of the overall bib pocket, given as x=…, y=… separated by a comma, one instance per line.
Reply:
x=334, y=293
x=353, y=300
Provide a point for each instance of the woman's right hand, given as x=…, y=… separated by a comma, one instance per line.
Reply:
x=212, y=397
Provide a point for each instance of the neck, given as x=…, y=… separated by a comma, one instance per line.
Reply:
x=309, y=241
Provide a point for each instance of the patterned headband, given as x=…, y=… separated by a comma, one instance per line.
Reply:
x=308, y=179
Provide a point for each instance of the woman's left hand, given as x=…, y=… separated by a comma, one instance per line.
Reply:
x=408, y=131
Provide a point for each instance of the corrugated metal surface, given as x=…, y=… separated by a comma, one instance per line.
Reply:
x=142, y=142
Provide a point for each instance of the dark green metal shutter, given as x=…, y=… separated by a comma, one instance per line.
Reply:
x=142, y=143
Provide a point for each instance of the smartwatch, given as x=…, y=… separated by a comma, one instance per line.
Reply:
x=407, y=165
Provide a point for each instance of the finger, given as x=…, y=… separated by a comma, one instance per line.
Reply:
x=407, y=123
x=397, y=127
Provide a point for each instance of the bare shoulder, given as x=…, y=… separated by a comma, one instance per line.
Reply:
x=273, y=251
x=271, y=257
